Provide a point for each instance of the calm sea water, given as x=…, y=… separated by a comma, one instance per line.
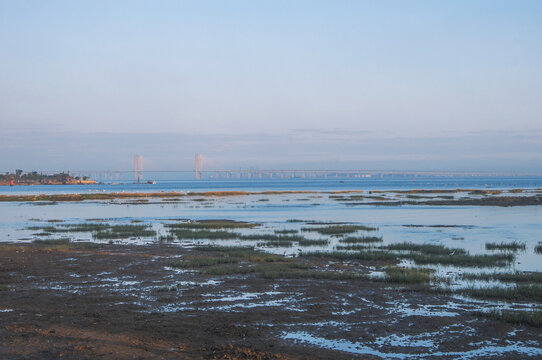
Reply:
x=374, y=183
x=473, y=226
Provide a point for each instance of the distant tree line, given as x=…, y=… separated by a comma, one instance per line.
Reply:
x=34, y=177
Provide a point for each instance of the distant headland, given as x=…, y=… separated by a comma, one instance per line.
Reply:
x=35, y=178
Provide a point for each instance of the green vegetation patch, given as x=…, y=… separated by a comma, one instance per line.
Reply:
x=286, y=231
x=511, y=246
x=338, y=230
x=277, y=243
x=244, y=253
x=396, y=274
x=361, y=240
x=430, y=249
x=527, y=277
x=124, y=232
x=203, y=234
x=360, y=255
x=271, y=237
x=532, y=318
x=518, y=292
x=213, y=224
x=462, y=259
x=313, y=242
x=71, y=228
x=355, y=247
x=242, y=260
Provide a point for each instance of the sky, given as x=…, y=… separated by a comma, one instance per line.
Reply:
x=356, y=84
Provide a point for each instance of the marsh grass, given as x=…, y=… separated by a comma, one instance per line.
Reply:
x=532, y=318
x=510, y=246
x=430, y=249
x=338, y=230
x=361, y=240
x=313, y=242
x=166, y=238
x=100, y=231
x=245, y=253
x=124, y=232
x=271, y=237
x=66, y=228
x=401, y=275
x=277, y=243
x=356, y=247
x=360, y=255
x=213, y=224
x=516, y=277
x=518, y=292
x=203, y=234
x=467, y=260
x=264, y=269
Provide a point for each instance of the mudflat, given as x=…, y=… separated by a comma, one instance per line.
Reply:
x=167, y=301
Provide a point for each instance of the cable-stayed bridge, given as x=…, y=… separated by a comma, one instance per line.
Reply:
x=255, y=174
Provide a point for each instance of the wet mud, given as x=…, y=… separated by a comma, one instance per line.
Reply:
x=125, y=302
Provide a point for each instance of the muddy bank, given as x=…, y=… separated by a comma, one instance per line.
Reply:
x=486, y=201
x=131, y=302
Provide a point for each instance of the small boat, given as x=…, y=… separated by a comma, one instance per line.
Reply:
x=151, y=182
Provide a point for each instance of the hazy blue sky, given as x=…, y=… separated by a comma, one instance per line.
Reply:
x=228, y=71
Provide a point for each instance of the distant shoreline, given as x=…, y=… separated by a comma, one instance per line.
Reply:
x=34, y=183
x=472, y=197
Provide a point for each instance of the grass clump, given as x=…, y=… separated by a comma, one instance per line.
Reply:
x=361, y=240
x=526, y=277
x=203, y=234
x=438, y=254
x=532, y=318
x=245, y=253
x=355, y=247
x=511, y=246
x=429, y=249
x=462, y=259
x=124, y=232
x=277, y=243
x=271, y=237
x=286, y=231
x=313, y=242
x=338, y=230
x=66, y=228
x=166, y=238
x=213, y=224
x=400, y=275
x=518, y=292
x=360, y=255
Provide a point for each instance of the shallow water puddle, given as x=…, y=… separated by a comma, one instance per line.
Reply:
x=359, y=348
